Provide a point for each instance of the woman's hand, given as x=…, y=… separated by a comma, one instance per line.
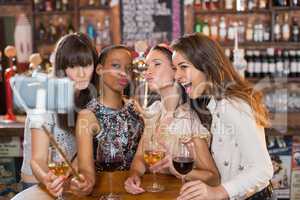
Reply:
x=54, y=184
x=133, y=185
x=81, y=187
x=197, y=190
x=165, y=165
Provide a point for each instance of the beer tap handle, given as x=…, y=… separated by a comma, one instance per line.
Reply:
x=11, y=52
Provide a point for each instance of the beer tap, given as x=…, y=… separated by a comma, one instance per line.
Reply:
x=139, y=68
x=10, y=52
x=239, y=61
x=35, y=61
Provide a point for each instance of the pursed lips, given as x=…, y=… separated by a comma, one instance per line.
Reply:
x=123, y=82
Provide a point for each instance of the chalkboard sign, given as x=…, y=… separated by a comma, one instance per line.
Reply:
x=154, y=21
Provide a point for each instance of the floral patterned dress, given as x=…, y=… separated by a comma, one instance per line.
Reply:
x=121, y=130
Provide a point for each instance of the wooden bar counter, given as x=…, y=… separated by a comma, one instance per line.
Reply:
x=172, y=186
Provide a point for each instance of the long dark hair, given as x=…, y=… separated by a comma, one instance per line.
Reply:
x=224, y=81
x=72, y=50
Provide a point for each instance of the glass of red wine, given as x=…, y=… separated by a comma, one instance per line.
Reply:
x=183, y=158
x=111, y=161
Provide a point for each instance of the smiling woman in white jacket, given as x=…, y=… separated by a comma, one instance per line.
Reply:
x=235, y=115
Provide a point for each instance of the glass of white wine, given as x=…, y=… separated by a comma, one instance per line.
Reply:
x=153, y=152
x=57, y=165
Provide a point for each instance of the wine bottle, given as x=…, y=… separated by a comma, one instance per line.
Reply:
x=264, y=65
x=70, y=28
x=279, y=63
x=293, y=64
x=295, y=31
x=271, y=62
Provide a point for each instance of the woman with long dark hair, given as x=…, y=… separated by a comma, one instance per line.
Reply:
x=75, y=58
x=235, y=115
x=111, y=123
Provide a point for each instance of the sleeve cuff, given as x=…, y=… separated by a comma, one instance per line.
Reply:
x=36, y=120
x=231, y=190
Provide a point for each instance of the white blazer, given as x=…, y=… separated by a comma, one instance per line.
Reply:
x=239, y=148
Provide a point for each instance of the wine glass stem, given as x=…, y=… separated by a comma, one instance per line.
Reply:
x=154, y=180
x=60, y=197
x=182, y=180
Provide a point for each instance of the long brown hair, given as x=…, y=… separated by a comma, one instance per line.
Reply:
x=224, y=81
x=75, y=49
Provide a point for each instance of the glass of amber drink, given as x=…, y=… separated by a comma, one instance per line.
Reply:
x=153, y=152
x=57, y=165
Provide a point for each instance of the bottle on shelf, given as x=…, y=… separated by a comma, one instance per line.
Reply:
x=298, y=63
x=91, y=31
x=42, y=33
x=286, y=63
x=92, y=3
x=48, y=5
x=277, y=29
x=267, y=33
x=52, y=35
x=206, y=4
x=82, y=26
x=222, y=29
x=240, y=5
x=250, y=64
x=99, y=36
x=251, y=5
x=280, y=3
x=271, y=61
x=214, y=29
x=38, y=5
x=228, y=53
x=231, y=31
x=241, y=31
x=58, y=5
x=295, y=31
x=206, y=28
x=229, y=4
x=106, y=33
x=279, y=63
x=249, y=32
x=293, y=64
x=104, y=2
x=198, y=26
x=61, y=28
x=295, y=3
x=258, y=31
x=65, y=5
x=257, y=64
x=265, y=70
x=70, y=28
x=286, y=32
x=197, y=5
x=215, y=4
x=262, y=4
